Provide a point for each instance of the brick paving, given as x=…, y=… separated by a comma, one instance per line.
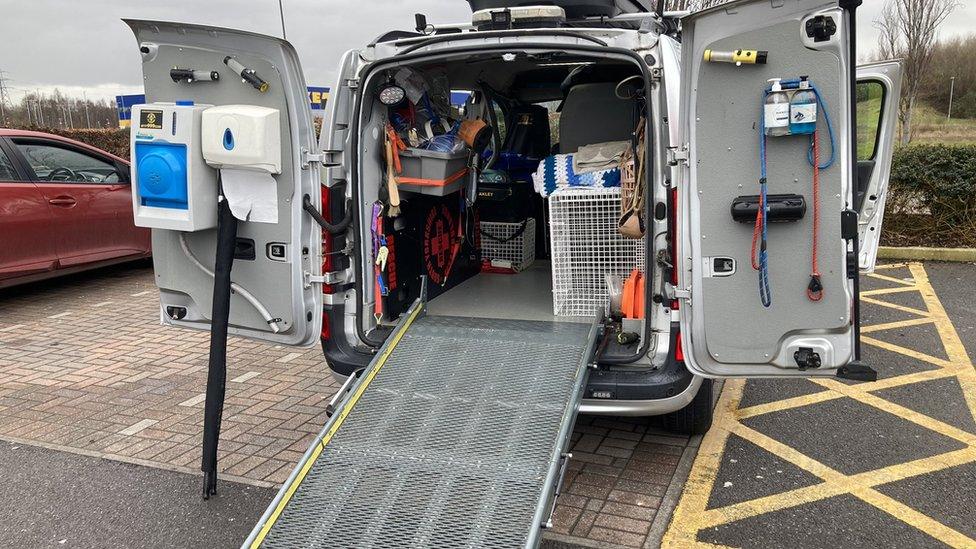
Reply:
x=86, y=366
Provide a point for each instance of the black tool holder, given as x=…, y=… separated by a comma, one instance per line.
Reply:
x=780, y=208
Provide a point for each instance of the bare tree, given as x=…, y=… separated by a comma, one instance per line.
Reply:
x=907, y=30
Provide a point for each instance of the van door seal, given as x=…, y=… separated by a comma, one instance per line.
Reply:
x=498, y=34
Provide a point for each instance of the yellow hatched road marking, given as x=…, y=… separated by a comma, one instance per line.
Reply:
x=895, y=306
x=691, y=515
x=888, y=266
x=320, y=446
x=896, y=324
x=892, y=279
x=885, y=291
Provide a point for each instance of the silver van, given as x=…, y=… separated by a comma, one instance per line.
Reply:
x=691, y=182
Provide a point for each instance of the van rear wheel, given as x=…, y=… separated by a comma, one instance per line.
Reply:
x=696, y=417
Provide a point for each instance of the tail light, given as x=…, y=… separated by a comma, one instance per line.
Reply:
x=679, y=352
x=326, y=329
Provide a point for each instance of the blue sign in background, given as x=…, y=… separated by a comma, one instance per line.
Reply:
x=317, y=96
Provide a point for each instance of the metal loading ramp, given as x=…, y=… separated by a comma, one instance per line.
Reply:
x=453, y=437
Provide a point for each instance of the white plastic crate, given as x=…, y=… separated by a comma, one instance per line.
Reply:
x=586, y=247
x=520, y=250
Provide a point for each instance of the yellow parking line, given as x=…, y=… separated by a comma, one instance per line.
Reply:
x=892, y=279
x=895, y=306
x=940, y=362
x=923, y=420
x=886, y=266
x=915, y=518
x=884, y=291
x=786, y=404
x=896, y=324
x=687, y=518
x=691, y=515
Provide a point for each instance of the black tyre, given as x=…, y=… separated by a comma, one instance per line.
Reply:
x=696, y=417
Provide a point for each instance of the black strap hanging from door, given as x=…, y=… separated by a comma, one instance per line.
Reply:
x=217, y=369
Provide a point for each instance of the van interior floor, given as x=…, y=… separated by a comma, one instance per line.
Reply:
x=523, y=296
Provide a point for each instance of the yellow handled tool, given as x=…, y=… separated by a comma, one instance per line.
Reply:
x=749, y=57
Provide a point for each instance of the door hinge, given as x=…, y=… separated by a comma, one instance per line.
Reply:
x=678, y=155
x=327, y=159
x=335, y=277
x=678, y=293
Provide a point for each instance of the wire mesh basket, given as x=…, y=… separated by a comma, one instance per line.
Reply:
x=509, y=242
x=586, y=247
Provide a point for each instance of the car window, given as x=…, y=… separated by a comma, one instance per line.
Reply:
x=870, y=101
x=7, y=171
x=55, y=163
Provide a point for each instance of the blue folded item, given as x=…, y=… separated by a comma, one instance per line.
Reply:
x=556, y=172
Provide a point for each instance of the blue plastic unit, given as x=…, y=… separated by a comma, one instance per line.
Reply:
x=161, y=179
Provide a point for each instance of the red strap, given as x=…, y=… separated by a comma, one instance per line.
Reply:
x=755, y=235
x=815, y=288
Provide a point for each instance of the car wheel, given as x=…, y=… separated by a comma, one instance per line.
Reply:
x=696, y=417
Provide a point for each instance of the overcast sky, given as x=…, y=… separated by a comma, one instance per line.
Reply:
x=84, y=46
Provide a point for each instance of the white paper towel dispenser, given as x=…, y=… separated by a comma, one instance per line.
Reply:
x=242, y=136
x=244, y=143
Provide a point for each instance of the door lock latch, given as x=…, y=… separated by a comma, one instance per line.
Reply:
x=805, y=358
x=821, y=28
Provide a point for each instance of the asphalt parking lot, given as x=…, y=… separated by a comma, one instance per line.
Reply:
x=828, y=463
x=101, y=412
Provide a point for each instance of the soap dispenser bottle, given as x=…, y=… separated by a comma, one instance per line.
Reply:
x=776, y=111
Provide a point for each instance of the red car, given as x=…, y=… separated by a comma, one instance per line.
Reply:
x=64, y=207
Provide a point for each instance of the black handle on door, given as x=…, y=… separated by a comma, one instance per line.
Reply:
x=63, y=201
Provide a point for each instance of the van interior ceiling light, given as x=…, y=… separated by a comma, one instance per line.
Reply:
x=789, y=108
x=193, y=75
x=738, y=57
x=249, y=76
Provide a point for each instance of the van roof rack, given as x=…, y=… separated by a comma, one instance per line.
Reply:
x=575, y=9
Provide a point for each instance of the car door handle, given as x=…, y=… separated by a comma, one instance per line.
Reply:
x=63, y=201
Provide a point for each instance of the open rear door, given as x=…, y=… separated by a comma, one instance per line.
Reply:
x=737, y=320
x=276, y=295
x=878, y=90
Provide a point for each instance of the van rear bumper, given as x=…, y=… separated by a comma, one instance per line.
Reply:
x=652, y=407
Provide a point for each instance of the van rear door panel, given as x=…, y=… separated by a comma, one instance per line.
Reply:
x=726, y=329
x=878, y=90
x=282, y=284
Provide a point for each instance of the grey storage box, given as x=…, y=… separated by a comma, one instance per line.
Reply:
x=432, y=172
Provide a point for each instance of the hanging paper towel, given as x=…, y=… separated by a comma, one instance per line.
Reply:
x=252, y=195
